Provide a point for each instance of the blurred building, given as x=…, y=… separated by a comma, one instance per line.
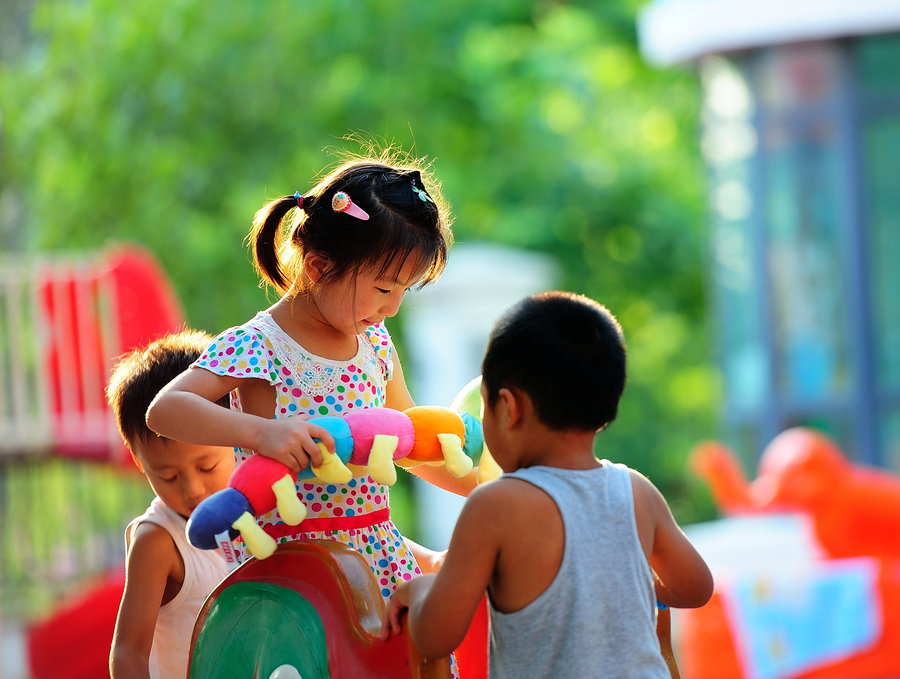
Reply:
x=801, y=135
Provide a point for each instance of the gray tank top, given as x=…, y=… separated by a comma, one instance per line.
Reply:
x=598, y=616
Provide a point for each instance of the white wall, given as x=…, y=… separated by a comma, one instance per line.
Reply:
x=446, y=330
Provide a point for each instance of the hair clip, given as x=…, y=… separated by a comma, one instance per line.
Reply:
x=299, y=199
x=340, y=202
x=422, y=194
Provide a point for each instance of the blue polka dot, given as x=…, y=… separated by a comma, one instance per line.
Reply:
x=292, y=407
x=383, y=563
x=329, y=400
x=350, y=512
x=331, y=488
x=289, y=381
x=385, y=591
x=253, y=360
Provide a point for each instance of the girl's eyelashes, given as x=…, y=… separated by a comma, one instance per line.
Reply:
x=383, y=291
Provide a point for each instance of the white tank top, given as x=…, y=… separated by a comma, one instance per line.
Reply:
x=203, y=570
x=598, y=616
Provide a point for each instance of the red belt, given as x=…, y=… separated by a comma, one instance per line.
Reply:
x=329, y=523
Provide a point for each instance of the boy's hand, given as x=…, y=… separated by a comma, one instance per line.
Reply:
x=290, y=441
x=396, y=607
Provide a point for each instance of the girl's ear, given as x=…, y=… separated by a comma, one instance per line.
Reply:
x=314, y=266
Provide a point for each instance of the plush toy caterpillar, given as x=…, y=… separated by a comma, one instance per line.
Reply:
x=368, y=439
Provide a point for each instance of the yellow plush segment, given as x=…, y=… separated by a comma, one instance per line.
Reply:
x=488, y=469
x=290, y=508
x=333, y=470
x=458, y=463
x=259, y=543
x=381, y=459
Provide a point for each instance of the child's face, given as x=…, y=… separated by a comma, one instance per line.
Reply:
x=184, y=474
x=353, y=303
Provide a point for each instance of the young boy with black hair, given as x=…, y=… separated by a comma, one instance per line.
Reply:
x=166, y=578
x=573, y=551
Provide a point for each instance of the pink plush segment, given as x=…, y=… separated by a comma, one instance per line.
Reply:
x=367, y=422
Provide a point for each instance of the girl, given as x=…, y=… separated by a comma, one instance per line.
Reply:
x=343, y=256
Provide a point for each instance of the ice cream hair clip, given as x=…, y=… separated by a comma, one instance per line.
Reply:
x=340, y=202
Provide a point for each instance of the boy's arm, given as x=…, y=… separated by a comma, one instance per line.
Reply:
x=399, y=398
x=683, y=579
x=441, y=606
x=151, y=558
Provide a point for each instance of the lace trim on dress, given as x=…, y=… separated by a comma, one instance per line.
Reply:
x=317, y=376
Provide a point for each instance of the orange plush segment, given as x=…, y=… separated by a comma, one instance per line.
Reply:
x=429, y=421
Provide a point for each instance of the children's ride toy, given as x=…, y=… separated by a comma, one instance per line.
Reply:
x=312, y=610
x=369, y=439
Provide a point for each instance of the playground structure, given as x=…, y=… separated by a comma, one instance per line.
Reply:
x=63, y=322
x=807, y=567
x=64, y=319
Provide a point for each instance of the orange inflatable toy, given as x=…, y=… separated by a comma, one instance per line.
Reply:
x=855, y=510
x=852, y=513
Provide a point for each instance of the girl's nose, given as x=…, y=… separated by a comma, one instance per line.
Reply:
x=392, y=304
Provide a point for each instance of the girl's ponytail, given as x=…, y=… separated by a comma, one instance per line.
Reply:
x=265, y=239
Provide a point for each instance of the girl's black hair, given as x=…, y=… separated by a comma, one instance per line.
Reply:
x=403, y=222
x=566, y=352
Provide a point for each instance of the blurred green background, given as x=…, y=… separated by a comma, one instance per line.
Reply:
x=170, y=123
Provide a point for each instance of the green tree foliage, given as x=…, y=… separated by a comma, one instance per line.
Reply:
x=169, y=123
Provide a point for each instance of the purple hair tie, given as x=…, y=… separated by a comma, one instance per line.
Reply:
x=299, y=199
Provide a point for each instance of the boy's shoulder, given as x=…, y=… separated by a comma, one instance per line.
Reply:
x=152, y=530
x=506, y=506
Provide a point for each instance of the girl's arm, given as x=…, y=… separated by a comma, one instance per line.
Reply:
x=399, y=398
x=151, y=559
x=683, y=579
x=428, y=560
x=186, y=410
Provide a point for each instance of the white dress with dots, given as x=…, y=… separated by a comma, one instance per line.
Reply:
x=356, y=513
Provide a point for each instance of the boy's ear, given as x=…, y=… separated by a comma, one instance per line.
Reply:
x=136, y=461
x=511, y=403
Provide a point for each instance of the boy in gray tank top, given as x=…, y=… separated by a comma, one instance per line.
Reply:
x=574, y=552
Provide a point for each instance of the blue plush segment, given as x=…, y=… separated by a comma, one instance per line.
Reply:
x=215, y=515
x=474, y=436
x=343, y=440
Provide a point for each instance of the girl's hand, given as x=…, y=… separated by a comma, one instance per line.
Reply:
x=290, y=441
x=396, y=607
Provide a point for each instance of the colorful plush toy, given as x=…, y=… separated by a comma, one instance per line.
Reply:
x=370, y=439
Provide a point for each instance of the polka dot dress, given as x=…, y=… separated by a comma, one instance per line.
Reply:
x=309, y=384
